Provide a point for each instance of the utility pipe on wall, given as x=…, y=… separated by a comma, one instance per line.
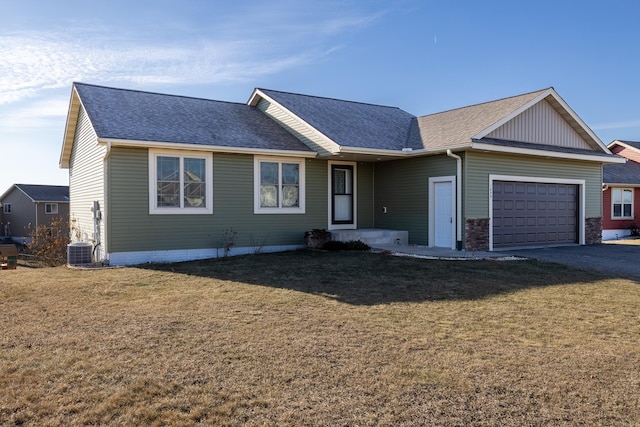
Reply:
x=458, y=198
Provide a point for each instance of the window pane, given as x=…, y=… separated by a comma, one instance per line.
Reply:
x=627, y=196
x=194, y=185
x=168, y=185
x=269, y=196
x=627, y=210
x=268, y=173
x=617, y=210
x=339, y=181
x=290, y=173
x=290, y=197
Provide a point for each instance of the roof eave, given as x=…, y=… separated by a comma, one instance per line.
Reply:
x=70, y=129
x=544, y=153
x=111, y=142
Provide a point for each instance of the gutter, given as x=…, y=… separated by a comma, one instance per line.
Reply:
x=458, y=198
x=206, y=148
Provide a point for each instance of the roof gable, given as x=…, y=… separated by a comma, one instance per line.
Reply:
x=348, y=123
x=522, y=118
x=627, y=149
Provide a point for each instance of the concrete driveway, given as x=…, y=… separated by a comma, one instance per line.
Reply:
x=622, y=256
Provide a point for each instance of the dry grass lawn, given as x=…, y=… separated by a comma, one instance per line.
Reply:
x=314, y=338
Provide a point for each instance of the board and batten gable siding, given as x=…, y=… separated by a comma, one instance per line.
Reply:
x=540, y=124
x=402, y=186
x=478, y=166
x=132, y=228
x=301, y=130
x=86, y=179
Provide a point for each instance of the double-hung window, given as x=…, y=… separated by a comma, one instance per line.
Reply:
x=51, y=208
x=6, y=208
x=279, y=185
x=180, y=182
x=622, y=203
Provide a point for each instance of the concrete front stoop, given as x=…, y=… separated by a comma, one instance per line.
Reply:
x=372, y=236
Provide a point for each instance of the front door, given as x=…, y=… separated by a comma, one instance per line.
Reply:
x=442, y=212
x=342, y=196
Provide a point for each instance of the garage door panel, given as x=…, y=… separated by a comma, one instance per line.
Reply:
x=534, y=214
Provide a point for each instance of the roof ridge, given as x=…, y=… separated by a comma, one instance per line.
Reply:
x=157, y=93
x=488, y=102
x=332, y=99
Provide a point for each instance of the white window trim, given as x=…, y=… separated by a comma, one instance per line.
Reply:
x=6, y=208
x=153, y=198
x=54, y=208
x=581, y=199
x=257, y=209
x=622, y=217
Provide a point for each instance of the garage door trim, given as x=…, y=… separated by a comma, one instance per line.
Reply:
x=533, y=179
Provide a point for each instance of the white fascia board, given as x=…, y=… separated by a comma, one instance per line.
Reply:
x=513, y=114
x=544, y=153
x=322, y=140
x=199, y=147
x=75, y=103
x=399, y=153
x=620, y=185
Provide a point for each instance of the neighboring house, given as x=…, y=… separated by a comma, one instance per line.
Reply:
x=25, y=207
x=157, y=177
x=621, y=192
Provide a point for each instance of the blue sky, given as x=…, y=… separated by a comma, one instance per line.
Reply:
x=422, y=56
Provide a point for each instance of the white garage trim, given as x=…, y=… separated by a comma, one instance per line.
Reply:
x=581, y=203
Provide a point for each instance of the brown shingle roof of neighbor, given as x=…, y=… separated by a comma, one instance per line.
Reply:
x=146, y=116
x=455, y=128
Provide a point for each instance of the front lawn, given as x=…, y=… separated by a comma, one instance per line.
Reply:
x=320, y=338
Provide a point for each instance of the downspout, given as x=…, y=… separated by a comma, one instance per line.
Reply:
x=458, y=198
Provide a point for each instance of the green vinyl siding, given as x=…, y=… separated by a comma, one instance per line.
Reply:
x=478, y=166
x=402, y=186
x=365, y=195
x=132, y=228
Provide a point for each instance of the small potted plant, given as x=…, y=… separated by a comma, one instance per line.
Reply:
x=316, y=238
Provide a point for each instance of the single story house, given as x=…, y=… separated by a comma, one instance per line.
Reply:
x=620, y=200
x=156, y=177
x=26, y=207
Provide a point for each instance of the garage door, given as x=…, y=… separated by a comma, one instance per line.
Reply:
x=534, y=214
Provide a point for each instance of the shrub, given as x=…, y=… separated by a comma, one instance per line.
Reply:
x=49, y=242
x=352, y=245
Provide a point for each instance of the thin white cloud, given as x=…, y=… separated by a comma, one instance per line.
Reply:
x=44, y=113
x=618, y=125
x=36, y=61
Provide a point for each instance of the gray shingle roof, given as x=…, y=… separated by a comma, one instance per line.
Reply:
x=623, y=173
x=46, y=193
x=145, y=116
x=353, y=124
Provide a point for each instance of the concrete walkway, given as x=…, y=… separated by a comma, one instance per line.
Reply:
x=439, y=253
